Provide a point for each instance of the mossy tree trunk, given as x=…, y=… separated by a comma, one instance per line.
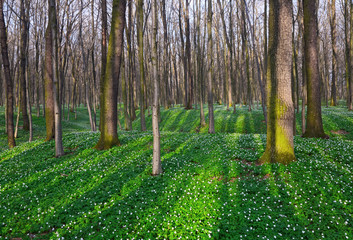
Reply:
x=211, y=128
x=156, y=162
x=109, y=135
x=314, y=127
x=8, y=79
x=280, y=115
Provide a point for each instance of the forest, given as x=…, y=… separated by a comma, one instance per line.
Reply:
x=176, y=119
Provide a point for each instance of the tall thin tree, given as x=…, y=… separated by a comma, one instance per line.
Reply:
x=156, y=162
x=8, y=79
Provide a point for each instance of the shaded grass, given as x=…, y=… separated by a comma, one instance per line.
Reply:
x=210, y=188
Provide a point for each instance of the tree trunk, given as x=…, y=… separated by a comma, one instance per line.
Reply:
x=48, y=85
x=334, y=51
x=104, y=55
x=8, y=79
x=279, y=147
x=59, y=150
x=24, y=32
x=211, y=128
x=156, y=162
x=142, y=70
x=109, y=135
x=314, y=127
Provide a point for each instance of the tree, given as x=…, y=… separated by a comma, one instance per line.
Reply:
x=314, y=127
x=280, y=115
x=210, y=69
x=108, y=127
x=334, y=51
x=23, y=98
x=104, y=52
x=8, y=79
x=48, y=84
x=156, y=162
x=142, y=70
x=52, y=23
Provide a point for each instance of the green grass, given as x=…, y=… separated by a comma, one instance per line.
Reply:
x=210, y=188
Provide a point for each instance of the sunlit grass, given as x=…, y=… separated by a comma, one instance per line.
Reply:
x=211, y=186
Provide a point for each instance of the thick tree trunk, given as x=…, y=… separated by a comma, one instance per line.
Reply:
x=48, y=85
x=8, y=79
x=109, y=135
x=279, y=147
x=314, y=127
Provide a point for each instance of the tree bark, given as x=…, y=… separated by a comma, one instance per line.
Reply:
x=156, y=162
x=23, y=46
x=334, y=51
x=8, y=79
x=279, y=147
x=48, y=85
x=314, y=127
x=211, y=128
x=141, y=63
x=109, y=135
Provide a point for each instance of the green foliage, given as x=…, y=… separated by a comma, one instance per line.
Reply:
x=210, y=188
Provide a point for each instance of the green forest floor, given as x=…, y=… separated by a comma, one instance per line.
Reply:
x=211, y=186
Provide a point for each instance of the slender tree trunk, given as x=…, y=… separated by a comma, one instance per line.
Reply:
x=59, y=150
x=124, y=85
x=314, y=127
x=8, y=79
x=334, y=51
x=109, y=135
x=279, y=147
x=141, y=62
x=24, y=32
x=156, y=162
x=211, y=128
x=104, y=56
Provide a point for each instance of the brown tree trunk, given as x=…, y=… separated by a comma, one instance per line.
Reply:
x=314, y=127
x=279, y=147
x=141, y=62
x=109, y=135
x=8, y=79
x=48, y=85
x=334, y=51
x=24, y=32
x=211, y=128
